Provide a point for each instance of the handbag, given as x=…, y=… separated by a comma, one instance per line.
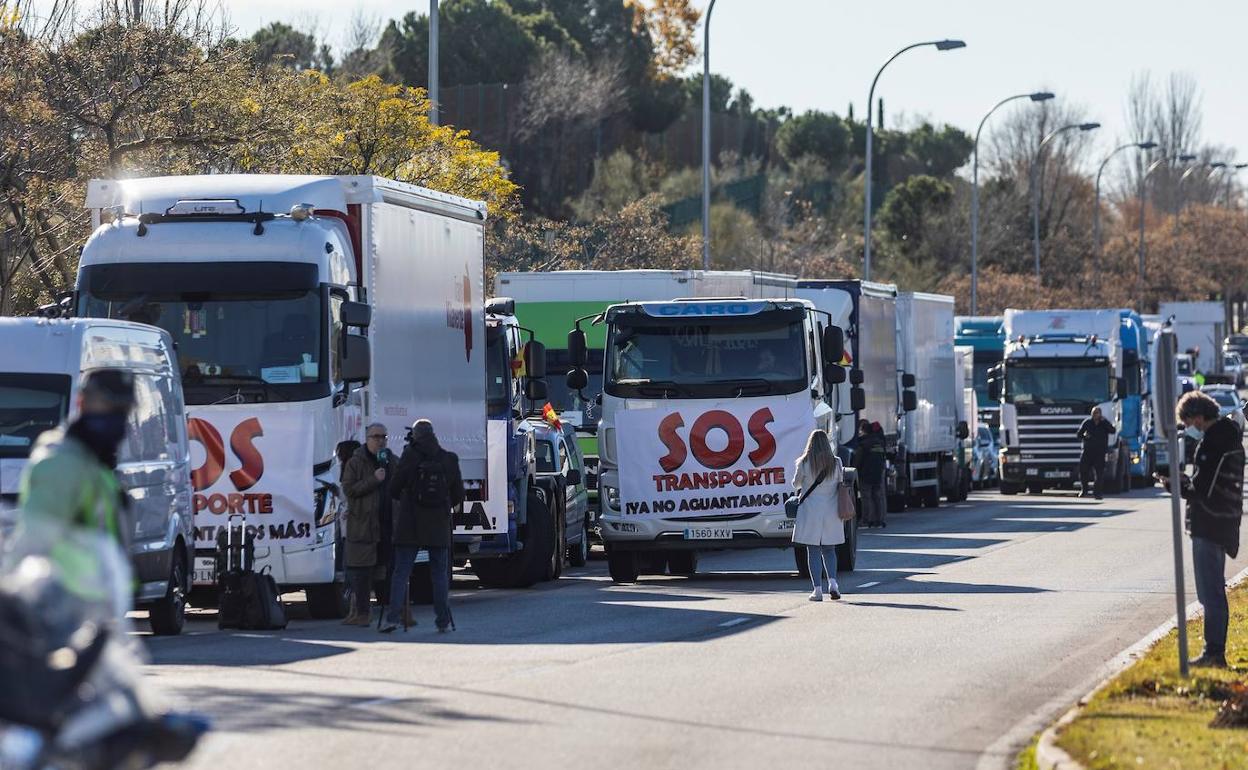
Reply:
x=791, y=504
x=845, y=509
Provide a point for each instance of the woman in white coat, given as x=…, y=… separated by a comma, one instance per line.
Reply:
x=818, y=525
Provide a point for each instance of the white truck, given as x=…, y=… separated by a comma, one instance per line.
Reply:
x=930, y=433
x=303, y=308
x=706, y=406
x=1200, y=327
x=1058, y=365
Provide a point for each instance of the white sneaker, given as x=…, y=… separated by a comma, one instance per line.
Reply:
x=834, y=590
x=816, y=595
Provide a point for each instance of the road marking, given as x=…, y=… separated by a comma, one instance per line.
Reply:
x=377, y=702
x=868, y=585
x=734, y=622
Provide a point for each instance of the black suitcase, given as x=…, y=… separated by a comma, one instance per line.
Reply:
x=237, y=595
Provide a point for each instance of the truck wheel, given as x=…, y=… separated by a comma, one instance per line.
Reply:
x=1035, y=489
x=622, y=565
x=522, y=569
x=799, y=558
x=578, y=555
x=847, y=552
x=683, y=563
x=328, y=601
x=168, y=615
x=1010, y=489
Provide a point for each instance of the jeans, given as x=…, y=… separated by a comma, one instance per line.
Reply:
x=821, y=558
x=361, y=581
x=1209, y=566
x=874, y=504
x=439, y=576
x=1089, y=467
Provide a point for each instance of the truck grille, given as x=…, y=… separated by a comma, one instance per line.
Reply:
x=1049, y=438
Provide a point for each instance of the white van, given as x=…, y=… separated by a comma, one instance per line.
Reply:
x=41, y=363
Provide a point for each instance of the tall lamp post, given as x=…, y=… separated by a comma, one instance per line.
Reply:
x=1178, y=189
x=1183, y=158
x=706, y=138
x=1096, y=209
x=1038, y=96
x=1234, y=169
x=433, y=62
x=1035, y=195
x=940, y=45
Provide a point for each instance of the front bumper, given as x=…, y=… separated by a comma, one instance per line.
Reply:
x=1045, y=473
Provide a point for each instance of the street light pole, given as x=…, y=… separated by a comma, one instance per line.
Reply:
x=1039, y=96
x=433, y=62
x=1143, y=200
x=1178, y=189
x=1096, y=209
x=940, y=45
x=1035, y=196
x=706, y=138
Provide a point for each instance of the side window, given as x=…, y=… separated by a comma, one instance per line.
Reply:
x=147, y=434
x=574, y=456
x=335, y=336
x=563, y=456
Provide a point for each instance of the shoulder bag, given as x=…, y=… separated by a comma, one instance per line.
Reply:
x=793, y=503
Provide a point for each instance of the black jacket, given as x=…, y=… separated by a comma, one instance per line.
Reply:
x=1215, y=498
x=1095, y=438
x=416, y=525
x=869, y=458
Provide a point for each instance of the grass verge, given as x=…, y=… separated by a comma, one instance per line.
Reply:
x=1148, y=717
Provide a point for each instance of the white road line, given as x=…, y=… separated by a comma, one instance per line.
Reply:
x=734, y=622
x=868, y=585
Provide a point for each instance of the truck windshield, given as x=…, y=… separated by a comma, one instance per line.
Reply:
x=271, y=339
x=29, y=405
x=1060, y=381
x=707, y=358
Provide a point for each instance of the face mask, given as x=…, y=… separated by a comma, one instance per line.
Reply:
x=1195, y=433
x=103, y=431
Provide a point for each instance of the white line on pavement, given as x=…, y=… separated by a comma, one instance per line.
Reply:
x=734, y=622
x=868, y=585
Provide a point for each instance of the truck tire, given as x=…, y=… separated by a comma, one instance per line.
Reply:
x=528, y=566
x=799, y=558
x=578, y=555
x=622, y=565
x=683, y=563
x=1010, y=489
x=168, y=615
x=847, y=552
x=328, y=601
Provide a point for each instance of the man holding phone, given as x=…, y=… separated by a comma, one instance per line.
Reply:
x=1215, y=502
x=364, y=484
x=1094, y=433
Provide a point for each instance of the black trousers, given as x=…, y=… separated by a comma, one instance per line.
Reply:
x=1089, y=466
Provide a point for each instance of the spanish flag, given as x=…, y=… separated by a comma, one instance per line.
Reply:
x=551, y=417
x=846, y=358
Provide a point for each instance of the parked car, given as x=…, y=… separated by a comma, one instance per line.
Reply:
x=1233, y=366
x=559, y=457
x=985, y=471
x=1229, y=402
x=1237, y=343
x=41, y=365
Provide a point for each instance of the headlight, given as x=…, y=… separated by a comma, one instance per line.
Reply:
x=613, y=497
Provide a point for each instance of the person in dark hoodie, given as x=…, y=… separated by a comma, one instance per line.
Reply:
x=869, y=461
x=1215, y=502
x=428, y=485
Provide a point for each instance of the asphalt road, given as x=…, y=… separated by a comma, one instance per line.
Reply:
x=962, y=631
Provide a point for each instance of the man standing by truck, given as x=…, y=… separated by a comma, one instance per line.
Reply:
x=1094, y=432
x=869, y=460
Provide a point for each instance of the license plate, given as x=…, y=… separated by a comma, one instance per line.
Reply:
x=205, y=572
x=1057, y=474
x=787, y=523
x=708, y=533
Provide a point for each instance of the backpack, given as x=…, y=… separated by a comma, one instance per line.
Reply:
x=429, y=483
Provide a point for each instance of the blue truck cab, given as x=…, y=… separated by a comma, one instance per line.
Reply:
x=985, y=335
x=1136, y=405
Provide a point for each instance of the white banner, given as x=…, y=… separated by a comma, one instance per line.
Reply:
x=710, y=458
x=256, y=462
x=494, y=508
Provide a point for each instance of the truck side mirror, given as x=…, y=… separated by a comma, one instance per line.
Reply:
x=535, y=360
x=856, y=377
x=833, y=375
x=578, y=351
x=534, y=390
x=833, y=345
x=857, y=399
x=908, y=380
x=909, y=400
x=573, y=477
x=577, y=379
x=1121, y=387
x=964, y=430
x=994, y=390
x=356, y=314
x=356, y=362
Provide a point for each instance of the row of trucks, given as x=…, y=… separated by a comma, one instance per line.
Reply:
x=695, y=392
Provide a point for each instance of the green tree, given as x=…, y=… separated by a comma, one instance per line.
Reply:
x=821, y=135
x=286, y=46
x=939, y=152
x=910, y=207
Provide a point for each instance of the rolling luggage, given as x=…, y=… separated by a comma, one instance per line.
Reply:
x=246, y=599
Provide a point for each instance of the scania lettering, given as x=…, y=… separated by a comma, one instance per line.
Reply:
x=303, y=308
x=705, y=408
x=1058, y=365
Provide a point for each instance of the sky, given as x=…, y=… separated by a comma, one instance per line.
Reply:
x=822, y=54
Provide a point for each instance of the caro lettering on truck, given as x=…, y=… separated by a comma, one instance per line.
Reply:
x=262, y=473
x=710, y=459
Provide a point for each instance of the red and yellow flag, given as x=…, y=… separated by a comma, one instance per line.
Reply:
x=551, y=417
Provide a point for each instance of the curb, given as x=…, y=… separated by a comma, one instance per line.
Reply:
x=1048, y=755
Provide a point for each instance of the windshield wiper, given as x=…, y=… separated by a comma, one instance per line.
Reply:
x=742, y=383
x=648, y=387
x=244, y=379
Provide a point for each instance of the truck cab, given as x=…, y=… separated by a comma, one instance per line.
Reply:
x=706, y=406
x=985, y=335
x=1137, y=409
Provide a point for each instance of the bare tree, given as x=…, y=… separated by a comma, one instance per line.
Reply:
x=1171, y=116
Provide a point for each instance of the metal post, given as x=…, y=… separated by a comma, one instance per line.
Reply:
x=1035, y=217
x=706, y=138
x=1143, y=203
x=433, y=62
x=1166, y=422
